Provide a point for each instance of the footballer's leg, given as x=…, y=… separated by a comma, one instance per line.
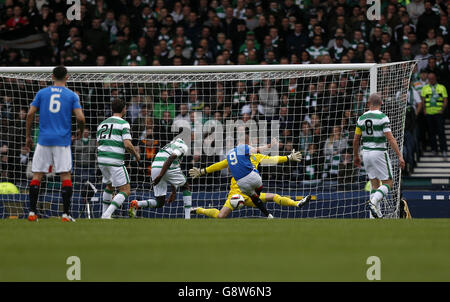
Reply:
x=159, y=191
x=107, y=197
x=187, y=199
x=283, y=200
x=121, y=181
x=42, y=159
x=62, y=158
x=66, y=193
x=109, y=189
x=34, y=194
x=213, y=212
x=376, y=195
x=118, y=200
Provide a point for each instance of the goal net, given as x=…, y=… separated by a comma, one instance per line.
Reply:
x=310, y=108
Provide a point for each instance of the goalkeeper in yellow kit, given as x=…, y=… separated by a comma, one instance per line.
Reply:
x=255, y=159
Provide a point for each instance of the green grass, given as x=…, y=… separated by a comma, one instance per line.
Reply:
x=225, y=250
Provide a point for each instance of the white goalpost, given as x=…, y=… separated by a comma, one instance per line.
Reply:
x=310, y=108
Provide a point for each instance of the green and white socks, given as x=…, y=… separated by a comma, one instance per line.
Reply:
x=187, y=200
x=115, y=204
x=106, y=201
x=149, y=203
x=377, y=195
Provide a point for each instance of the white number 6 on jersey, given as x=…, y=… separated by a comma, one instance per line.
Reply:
x=55, y=104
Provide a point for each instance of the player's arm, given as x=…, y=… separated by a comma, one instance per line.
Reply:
x=164, y=168
x=356, y=139
x=270, y=160
x=197, y=172
x=79, y=115
x=393, y=143
x=131, y=149
x=29, y=122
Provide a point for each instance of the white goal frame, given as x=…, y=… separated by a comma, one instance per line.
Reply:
x=371, y=68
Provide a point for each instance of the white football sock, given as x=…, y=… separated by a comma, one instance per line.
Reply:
x=381, y=192
x=106, y=201
x=115, y=203
x=149, y=203
x=187, y=200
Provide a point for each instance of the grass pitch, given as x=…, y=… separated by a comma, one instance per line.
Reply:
x=225, y=250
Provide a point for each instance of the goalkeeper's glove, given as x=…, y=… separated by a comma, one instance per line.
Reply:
x=196, y=172
x=295, y=156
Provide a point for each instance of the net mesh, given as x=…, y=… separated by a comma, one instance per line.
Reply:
x=311, y=111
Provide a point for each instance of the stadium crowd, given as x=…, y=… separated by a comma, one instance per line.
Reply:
x=243, y=32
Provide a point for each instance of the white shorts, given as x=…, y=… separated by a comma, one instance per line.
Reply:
x=116, y=176
x=250, y=183
x=377, y=164
x=174, y=177
x=59, y=157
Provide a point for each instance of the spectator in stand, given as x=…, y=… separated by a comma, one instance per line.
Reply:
x=415, y=9
x=165, y=104
x=423, y=56
x=17, y=20
x=298, y=40
x=317, y=49
x=96, y=39
x=428, y=20
x=268, y=97
x=134, y=57
x=337, y=50
x=405, y=52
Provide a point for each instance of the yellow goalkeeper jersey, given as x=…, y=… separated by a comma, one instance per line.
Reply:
x=255, y=159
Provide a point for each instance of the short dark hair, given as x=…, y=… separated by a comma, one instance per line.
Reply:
x=117, y=105
x=59, y=73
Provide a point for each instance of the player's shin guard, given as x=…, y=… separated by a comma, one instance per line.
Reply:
x=34, y=194
x=187, y=200
x=149, y=203
x=106, y=200
x=66, y=192
x=115, y=204
x=379, y=194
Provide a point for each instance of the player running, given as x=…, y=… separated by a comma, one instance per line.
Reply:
x=113, y=138
x=373, y=126
x=55, y=104
x=255, y=159
x=166, y=170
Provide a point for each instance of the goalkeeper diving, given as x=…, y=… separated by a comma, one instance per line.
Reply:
x=250, y=167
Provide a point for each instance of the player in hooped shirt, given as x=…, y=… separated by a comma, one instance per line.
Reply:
x=55, y=104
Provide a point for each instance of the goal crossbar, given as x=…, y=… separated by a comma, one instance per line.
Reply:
x=196, y=69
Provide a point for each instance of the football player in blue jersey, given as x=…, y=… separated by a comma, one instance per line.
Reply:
x=55, y=104
x=246, y=175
